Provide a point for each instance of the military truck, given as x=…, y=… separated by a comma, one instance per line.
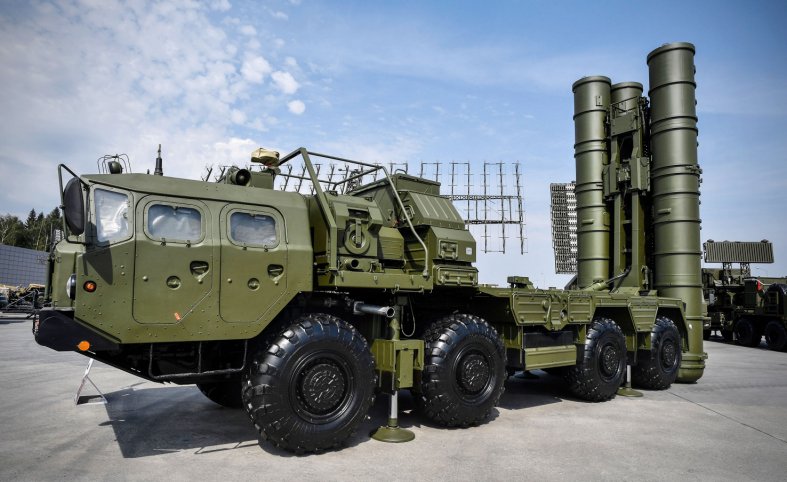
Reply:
x=301, y=308
x=743, y=307
x=21, y=299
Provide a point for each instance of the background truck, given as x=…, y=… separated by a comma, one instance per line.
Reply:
x=741, y=306
x=300, y=308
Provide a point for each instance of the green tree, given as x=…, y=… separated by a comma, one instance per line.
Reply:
x=12, y=230
x=34, y=233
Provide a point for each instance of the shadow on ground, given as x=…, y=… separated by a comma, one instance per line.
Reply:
x=9, y=319
x=154, y=421
x=539, y=389
x=160, y=420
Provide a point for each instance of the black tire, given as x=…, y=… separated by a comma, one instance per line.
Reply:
x=311, y=388
x=657, y=368
x=597, y=377
x=726, y=335
x=776, y=335
x=464, y=371
x=227, y=394
x=706, y=334
x=747, y=333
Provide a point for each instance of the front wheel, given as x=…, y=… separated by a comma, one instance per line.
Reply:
x=312, y=387
x=598, y=375
x=658, y=368
x=464, y=372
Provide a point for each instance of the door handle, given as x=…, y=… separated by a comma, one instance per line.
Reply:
x=275, y=270
x=199, y=269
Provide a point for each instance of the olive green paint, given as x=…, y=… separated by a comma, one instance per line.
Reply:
x=397, y=242
x=675, y=177
x=591, y=102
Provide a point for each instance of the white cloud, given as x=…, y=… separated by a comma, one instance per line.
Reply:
x=285, y=82
x=297, y=107
x=248, y=30
x=236, y=150
x=279, y=15
x=257, y=125
x=220, y=5
x=78, y=87
x=255, y=69
x=291, y=62
x=253, y=44
x=238, y=117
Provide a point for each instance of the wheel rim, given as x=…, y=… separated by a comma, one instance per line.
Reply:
x=609, y=358
x=669, y=354
x=473, y=372
x=321, y=388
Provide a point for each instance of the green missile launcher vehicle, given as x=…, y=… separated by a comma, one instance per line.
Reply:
x=743, y=307
x=301, y=308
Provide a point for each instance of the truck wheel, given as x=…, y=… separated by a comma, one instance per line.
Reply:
x=464, y=371
x=706, y=334
x=726, y=335
x=658, y=368
x=747, y=333
x=776, y=335
x=598, y=375
x=312, y=387
x=227, y=394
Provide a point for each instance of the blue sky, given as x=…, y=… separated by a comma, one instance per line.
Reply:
x=386, y=82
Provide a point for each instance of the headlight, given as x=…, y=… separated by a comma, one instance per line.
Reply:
x=71, y=286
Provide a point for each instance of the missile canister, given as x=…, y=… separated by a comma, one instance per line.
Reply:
x=591, y=101
x=630, y=92
x=626, y=145
x=675, y=191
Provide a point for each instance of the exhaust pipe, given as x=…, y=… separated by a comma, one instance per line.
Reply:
x=360, y=307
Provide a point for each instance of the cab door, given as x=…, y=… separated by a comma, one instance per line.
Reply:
x=253, y=263
x=173, y=263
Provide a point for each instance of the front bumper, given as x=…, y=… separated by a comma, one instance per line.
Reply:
x=59, y=331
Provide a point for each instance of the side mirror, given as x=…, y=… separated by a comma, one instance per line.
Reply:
x=74, y=207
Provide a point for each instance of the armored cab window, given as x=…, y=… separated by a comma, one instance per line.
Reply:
x=111, y=215
x=253, y=229
x=174, y=223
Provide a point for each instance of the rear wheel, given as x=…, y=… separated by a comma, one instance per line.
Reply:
x=598, y=375
x=464, y=371
x=312, y=387
x=658, y=368
x=747, y=332
x=776, y=335
x=226, y=393
x=726, y=335
x=706, y=334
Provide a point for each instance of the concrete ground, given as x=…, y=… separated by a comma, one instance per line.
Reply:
x=732, y=425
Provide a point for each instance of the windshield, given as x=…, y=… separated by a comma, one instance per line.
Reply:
x=111, y=215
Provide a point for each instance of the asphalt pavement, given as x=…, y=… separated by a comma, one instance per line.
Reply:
x=731, y=425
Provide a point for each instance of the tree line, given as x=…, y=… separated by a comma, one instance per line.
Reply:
x=33, y=233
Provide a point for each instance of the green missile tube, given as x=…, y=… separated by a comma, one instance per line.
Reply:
x=675, y=178
x=625, y=95
x=591, y=153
